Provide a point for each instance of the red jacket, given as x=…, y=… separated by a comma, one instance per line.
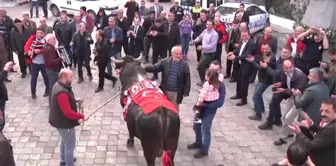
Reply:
x=27, y=47
x=300, y=46
x=222, y=30
x=89, y=23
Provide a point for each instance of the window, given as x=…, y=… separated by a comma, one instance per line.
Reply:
x=211, y=1
x=226, y=10
x=258, y=10
x=219, y=2
x=187, y=3
x=250, y=11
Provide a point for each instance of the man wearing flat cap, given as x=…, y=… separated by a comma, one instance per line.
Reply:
x=28, y=23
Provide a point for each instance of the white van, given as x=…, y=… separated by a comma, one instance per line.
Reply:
x=92, y=6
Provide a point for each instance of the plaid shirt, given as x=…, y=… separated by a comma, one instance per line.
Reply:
x=207, y=93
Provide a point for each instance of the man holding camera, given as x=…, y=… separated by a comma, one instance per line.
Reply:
x=316, y=42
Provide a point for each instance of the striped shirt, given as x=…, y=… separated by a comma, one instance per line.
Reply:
x=172, y=84
x=38, y=44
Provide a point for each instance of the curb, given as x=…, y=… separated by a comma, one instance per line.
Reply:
x=22, y=2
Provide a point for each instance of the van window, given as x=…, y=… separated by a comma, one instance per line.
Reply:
x=223, y=10
x=210, y=2
x=188, y=3
x=250, y=11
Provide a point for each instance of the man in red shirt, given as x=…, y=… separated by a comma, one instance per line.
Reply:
x=64, y=116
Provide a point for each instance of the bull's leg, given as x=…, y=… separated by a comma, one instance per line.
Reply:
x=172, y=133
x=131, y=132
x=149, y=152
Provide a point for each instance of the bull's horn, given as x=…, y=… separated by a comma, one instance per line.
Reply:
x=116, y=61
x=138, y=59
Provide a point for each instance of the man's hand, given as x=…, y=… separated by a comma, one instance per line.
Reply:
x=231, y=57
x=267, y=59
x=236, y=45
x=323, y=65
x=333, y=96
x=8, y=66
x=296, y=129
x=263, y=65
x=71, y=43
x=128, y=33
x=276, y=85
x=192, y=42
x=279, y=90
x=308, y=122
x=250, y=58
x=155, y=33
x=199, y=48
x=30, y=53
x=37, y=51
x=112, y=40
x=296, y=92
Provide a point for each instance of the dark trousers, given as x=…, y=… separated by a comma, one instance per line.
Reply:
x=274, y=115
x=198, y=53
x=52, y=77
x=242, y=84
x=135, y=50
x=45, y=8
x=158, y=53
x=35, y=70
x=102, y=74
x=204, y=64
x=32, y=6
x=219, y=55
x=83, y=62
x=229, y=64
x=146, y=47
x=254, y=74
x=2, y=111
x=10, y=53
x=169, y=51
x=22, y=62
x=125, y=46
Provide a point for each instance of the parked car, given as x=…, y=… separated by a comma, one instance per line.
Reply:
x=259, y=17
x=72, y=6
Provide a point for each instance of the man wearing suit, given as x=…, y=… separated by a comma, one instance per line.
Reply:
x=136, y=34
x=233, y=43
x=273, y=43
x=115, y=37
x=173, y=32
x=290, y=78
x=244, y=68
x=241, y=15
x=321, y=144
x=157, y=8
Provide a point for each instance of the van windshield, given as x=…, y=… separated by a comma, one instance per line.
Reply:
x=187, y=2
x=223, y=10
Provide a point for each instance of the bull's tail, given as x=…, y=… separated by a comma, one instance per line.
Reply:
x=163, y=125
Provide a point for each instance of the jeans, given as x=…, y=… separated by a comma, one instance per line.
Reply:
x=204, y=64
x=2, y=109
x=68, y=144
x=52, y=77
x=203, y=132
x=109, y=66
x=258, y=101
x=35, y=69
x=185, y=40
x=32, y=5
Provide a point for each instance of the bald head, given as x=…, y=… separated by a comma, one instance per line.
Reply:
x=65, y=76
x=288, y=66
x=268, y=32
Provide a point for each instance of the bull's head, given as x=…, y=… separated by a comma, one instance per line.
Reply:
x=126, y=60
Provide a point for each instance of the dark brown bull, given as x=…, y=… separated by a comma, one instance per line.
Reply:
x=157, y=131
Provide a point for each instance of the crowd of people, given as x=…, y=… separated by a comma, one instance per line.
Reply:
x=299, y=77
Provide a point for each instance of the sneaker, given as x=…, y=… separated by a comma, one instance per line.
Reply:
x=197, y=121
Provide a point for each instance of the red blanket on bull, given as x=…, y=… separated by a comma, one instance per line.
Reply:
x=147, y=96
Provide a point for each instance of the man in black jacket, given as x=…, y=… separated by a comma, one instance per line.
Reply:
x=19, y=36
x=242, y=15
x=63, y=33
x=290, y=78
x=175, y=82
x=3, y=92
x=123, y=23
x=157, y=33
x=148, y=22
x=320, y=144
x=132, y=7
x=178, y=11
x=173, y=32
x=136, y=34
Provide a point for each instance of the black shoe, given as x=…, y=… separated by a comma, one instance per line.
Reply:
x=232, y=80
x=98, y=90
x=235, y=97
x=80, y=80
x=90, y=78
x=114, y=81
x=226, y=76
x=200, y=84
x=241, y=103
x=7, y=80
x=45, y=94
x=200, y=154
x=290, y=135
x=63, y=162
x=279, y=124
x=265, y=126
x=279, y=142
x=255, y=117
x=23, y=75
x=33, y=96
x=194, y=146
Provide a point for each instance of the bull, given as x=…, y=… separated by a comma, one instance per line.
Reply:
x=157, y=131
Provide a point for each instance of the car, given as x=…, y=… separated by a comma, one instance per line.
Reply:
x=259, y=17
x=71, y=6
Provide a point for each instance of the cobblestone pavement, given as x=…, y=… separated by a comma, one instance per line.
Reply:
x=236, y=141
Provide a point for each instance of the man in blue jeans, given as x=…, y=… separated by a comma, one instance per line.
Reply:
x=265, y=79
x=203, y=130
